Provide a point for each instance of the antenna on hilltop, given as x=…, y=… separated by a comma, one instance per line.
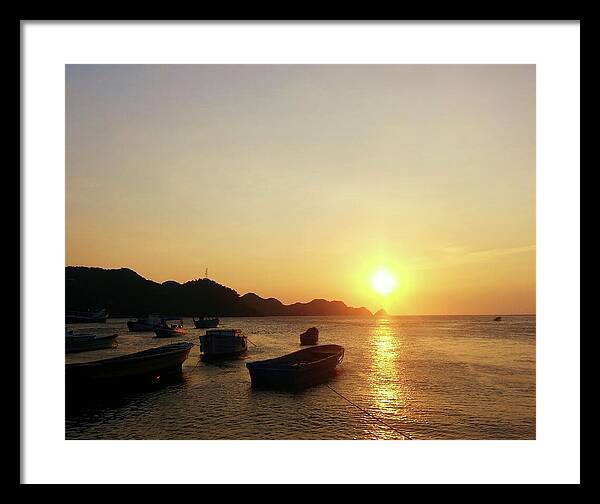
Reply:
x=206, y=273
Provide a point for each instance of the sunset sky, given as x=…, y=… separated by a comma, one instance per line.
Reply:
x=301, y=182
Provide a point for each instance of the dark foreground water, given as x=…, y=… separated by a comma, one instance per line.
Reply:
x=433, y=377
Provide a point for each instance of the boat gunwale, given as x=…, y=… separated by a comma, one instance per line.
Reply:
x=273, y=365
x=90, y=337
x=227, y=333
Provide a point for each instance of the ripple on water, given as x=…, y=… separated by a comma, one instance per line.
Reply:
x=431, y=377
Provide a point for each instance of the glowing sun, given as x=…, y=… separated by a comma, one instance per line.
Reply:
x=383, y=282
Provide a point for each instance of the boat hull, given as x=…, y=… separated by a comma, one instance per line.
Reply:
x=294, y=371
x=78, y=344
x=140, y=326
x=141, y=366
x=206, y=323
x=162, y=332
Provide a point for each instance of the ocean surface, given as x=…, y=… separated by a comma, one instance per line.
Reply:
x=429, y=377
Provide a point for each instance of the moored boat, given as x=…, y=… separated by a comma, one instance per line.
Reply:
x=144, y=324
x=205, y=322
x=148, y=364
x=86, y=342
x=222, y=343
x=83, y=317
x=310, y=336
x=166, y=330
x=497, y=319
x=297, y=370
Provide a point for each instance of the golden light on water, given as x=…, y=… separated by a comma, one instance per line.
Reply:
x=383, y=281
x=386, y=355
x=385, y=380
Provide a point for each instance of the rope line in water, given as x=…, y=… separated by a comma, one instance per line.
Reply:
x=406, y=436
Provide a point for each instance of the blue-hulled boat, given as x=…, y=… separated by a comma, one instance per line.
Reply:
x=297, y=370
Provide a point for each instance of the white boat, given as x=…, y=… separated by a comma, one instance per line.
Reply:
x=86, y=342
x=144, y=324
x=221, y=343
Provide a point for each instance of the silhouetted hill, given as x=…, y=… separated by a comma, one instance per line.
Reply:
x=380, y=313
x=267, y=307
x=124, y=293
x=318, y=307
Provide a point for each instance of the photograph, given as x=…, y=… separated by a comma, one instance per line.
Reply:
x=304, y=252
x=300, y=252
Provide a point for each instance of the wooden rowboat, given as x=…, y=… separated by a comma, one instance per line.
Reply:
x=148, y=364
x=297, y=370
x=87, y=342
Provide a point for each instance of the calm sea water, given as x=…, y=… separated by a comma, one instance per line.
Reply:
x=432, y=377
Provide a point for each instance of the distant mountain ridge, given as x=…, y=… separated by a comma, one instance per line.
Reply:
x=125, y=293
x=317, y=307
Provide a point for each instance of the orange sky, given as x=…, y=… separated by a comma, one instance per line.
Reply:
x=298, y=182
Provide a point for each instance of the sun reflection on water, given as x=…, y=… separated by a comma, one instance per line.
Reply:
x=385, y=378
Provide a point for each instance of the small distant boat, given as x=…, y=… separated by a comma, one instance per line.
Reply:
x=297, y=370
x=148, y=364
x=86, y=342
x=497, y=319
x=310, y=336
x=144, y=324
x=205, y=322
x=166, y=330
x=220, y=343
x=83, y=317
